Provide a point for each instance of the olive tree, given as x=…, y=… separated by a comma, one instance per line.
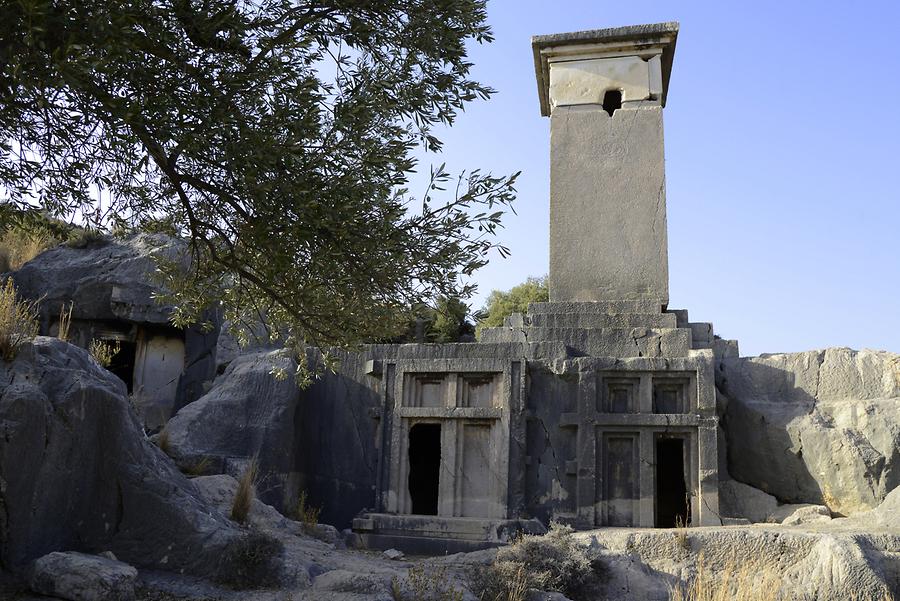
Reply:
x=276, y=137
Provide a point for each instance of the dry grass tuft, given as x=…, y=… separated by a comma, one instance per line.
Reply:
x=306, y=513
x=18, y=247
x=18, y=321
x=426, y=583
x=246, y=492
x=197, y=469
x=747, y=583
x=681, y=533
x=163, y=442
x=65, y=322
x=84, y=237
x=104, y=351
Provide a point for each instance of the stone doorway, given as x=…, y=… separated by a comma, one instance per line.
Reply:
x=424, y=468
x=671, y=502
x=122, y=363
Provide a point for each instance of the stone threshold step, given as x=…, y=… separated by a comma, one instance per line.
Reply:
x=598, y=320
x=610, y=307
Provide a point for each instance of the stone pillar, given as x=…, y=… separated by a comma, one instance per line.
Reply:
x=604, y=92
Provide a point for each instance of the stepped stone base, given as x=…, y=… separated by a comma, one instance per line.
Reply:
x=629, y=328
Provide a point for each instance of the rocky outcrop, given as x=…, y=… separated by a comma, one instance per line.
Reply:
x=834, y=561
x=80, y=577
x=738, y=500
x=820, y=427
x=105, y=279
x=111, y=288
x=247, y=413
x=77, y=473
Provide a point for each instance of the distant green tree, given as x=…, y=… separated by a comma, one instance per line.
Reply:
x=502, y=304
x=450, y=322
x=446, y=319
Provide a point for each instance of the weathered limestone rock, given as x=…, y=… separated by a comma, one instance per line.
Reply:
x=884, y=517
x=78, y=473
x=228, y=347
x=819, y=427
x=248, y=412
x=738, y=500
x=347, y=584
x=818, y=561
x=105, y=280
x=81, y=577
x=794, y=515
x=110, y=287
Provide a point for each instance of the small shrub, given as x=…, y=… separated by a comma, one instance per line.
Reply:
x=104, y=351
x=249, y=562
x=65, y=322
x=307, y=514
x=552, y=562
x=245, y=493
x=421, y=584
x=18, y=321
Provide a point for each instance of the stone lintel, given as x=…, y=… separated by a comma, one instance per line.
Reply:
x=644, y=41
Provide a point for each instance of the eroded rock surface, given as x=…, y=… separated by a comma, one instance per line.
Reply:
x=247, y=413
x=110, y=287
x=81, y=577
x=833, y=561
x=820, y=427
x=104, y=279
x=79, y=474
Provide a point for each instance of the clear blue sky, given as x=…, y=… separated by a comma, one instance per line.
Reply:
x=782, y=160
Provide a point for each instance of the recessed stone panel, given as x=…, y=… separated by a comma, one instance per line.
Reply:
x=478, y=390
x=671, y=395
x=618, y=394
x=619, y=483
x=476, y=478
x=426, y=390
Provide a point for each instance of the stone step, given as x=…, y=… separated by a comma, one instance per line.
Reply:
x=601, y=320
x=610, y=307
x=726, y=349
x=421, y=545
x=681, y=316
x=702, y=334
x=602, y=342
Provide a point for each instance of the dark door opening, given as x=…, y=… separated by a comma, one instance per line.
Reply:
x=122, y=363
x=424, y=467
x=671, y=493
